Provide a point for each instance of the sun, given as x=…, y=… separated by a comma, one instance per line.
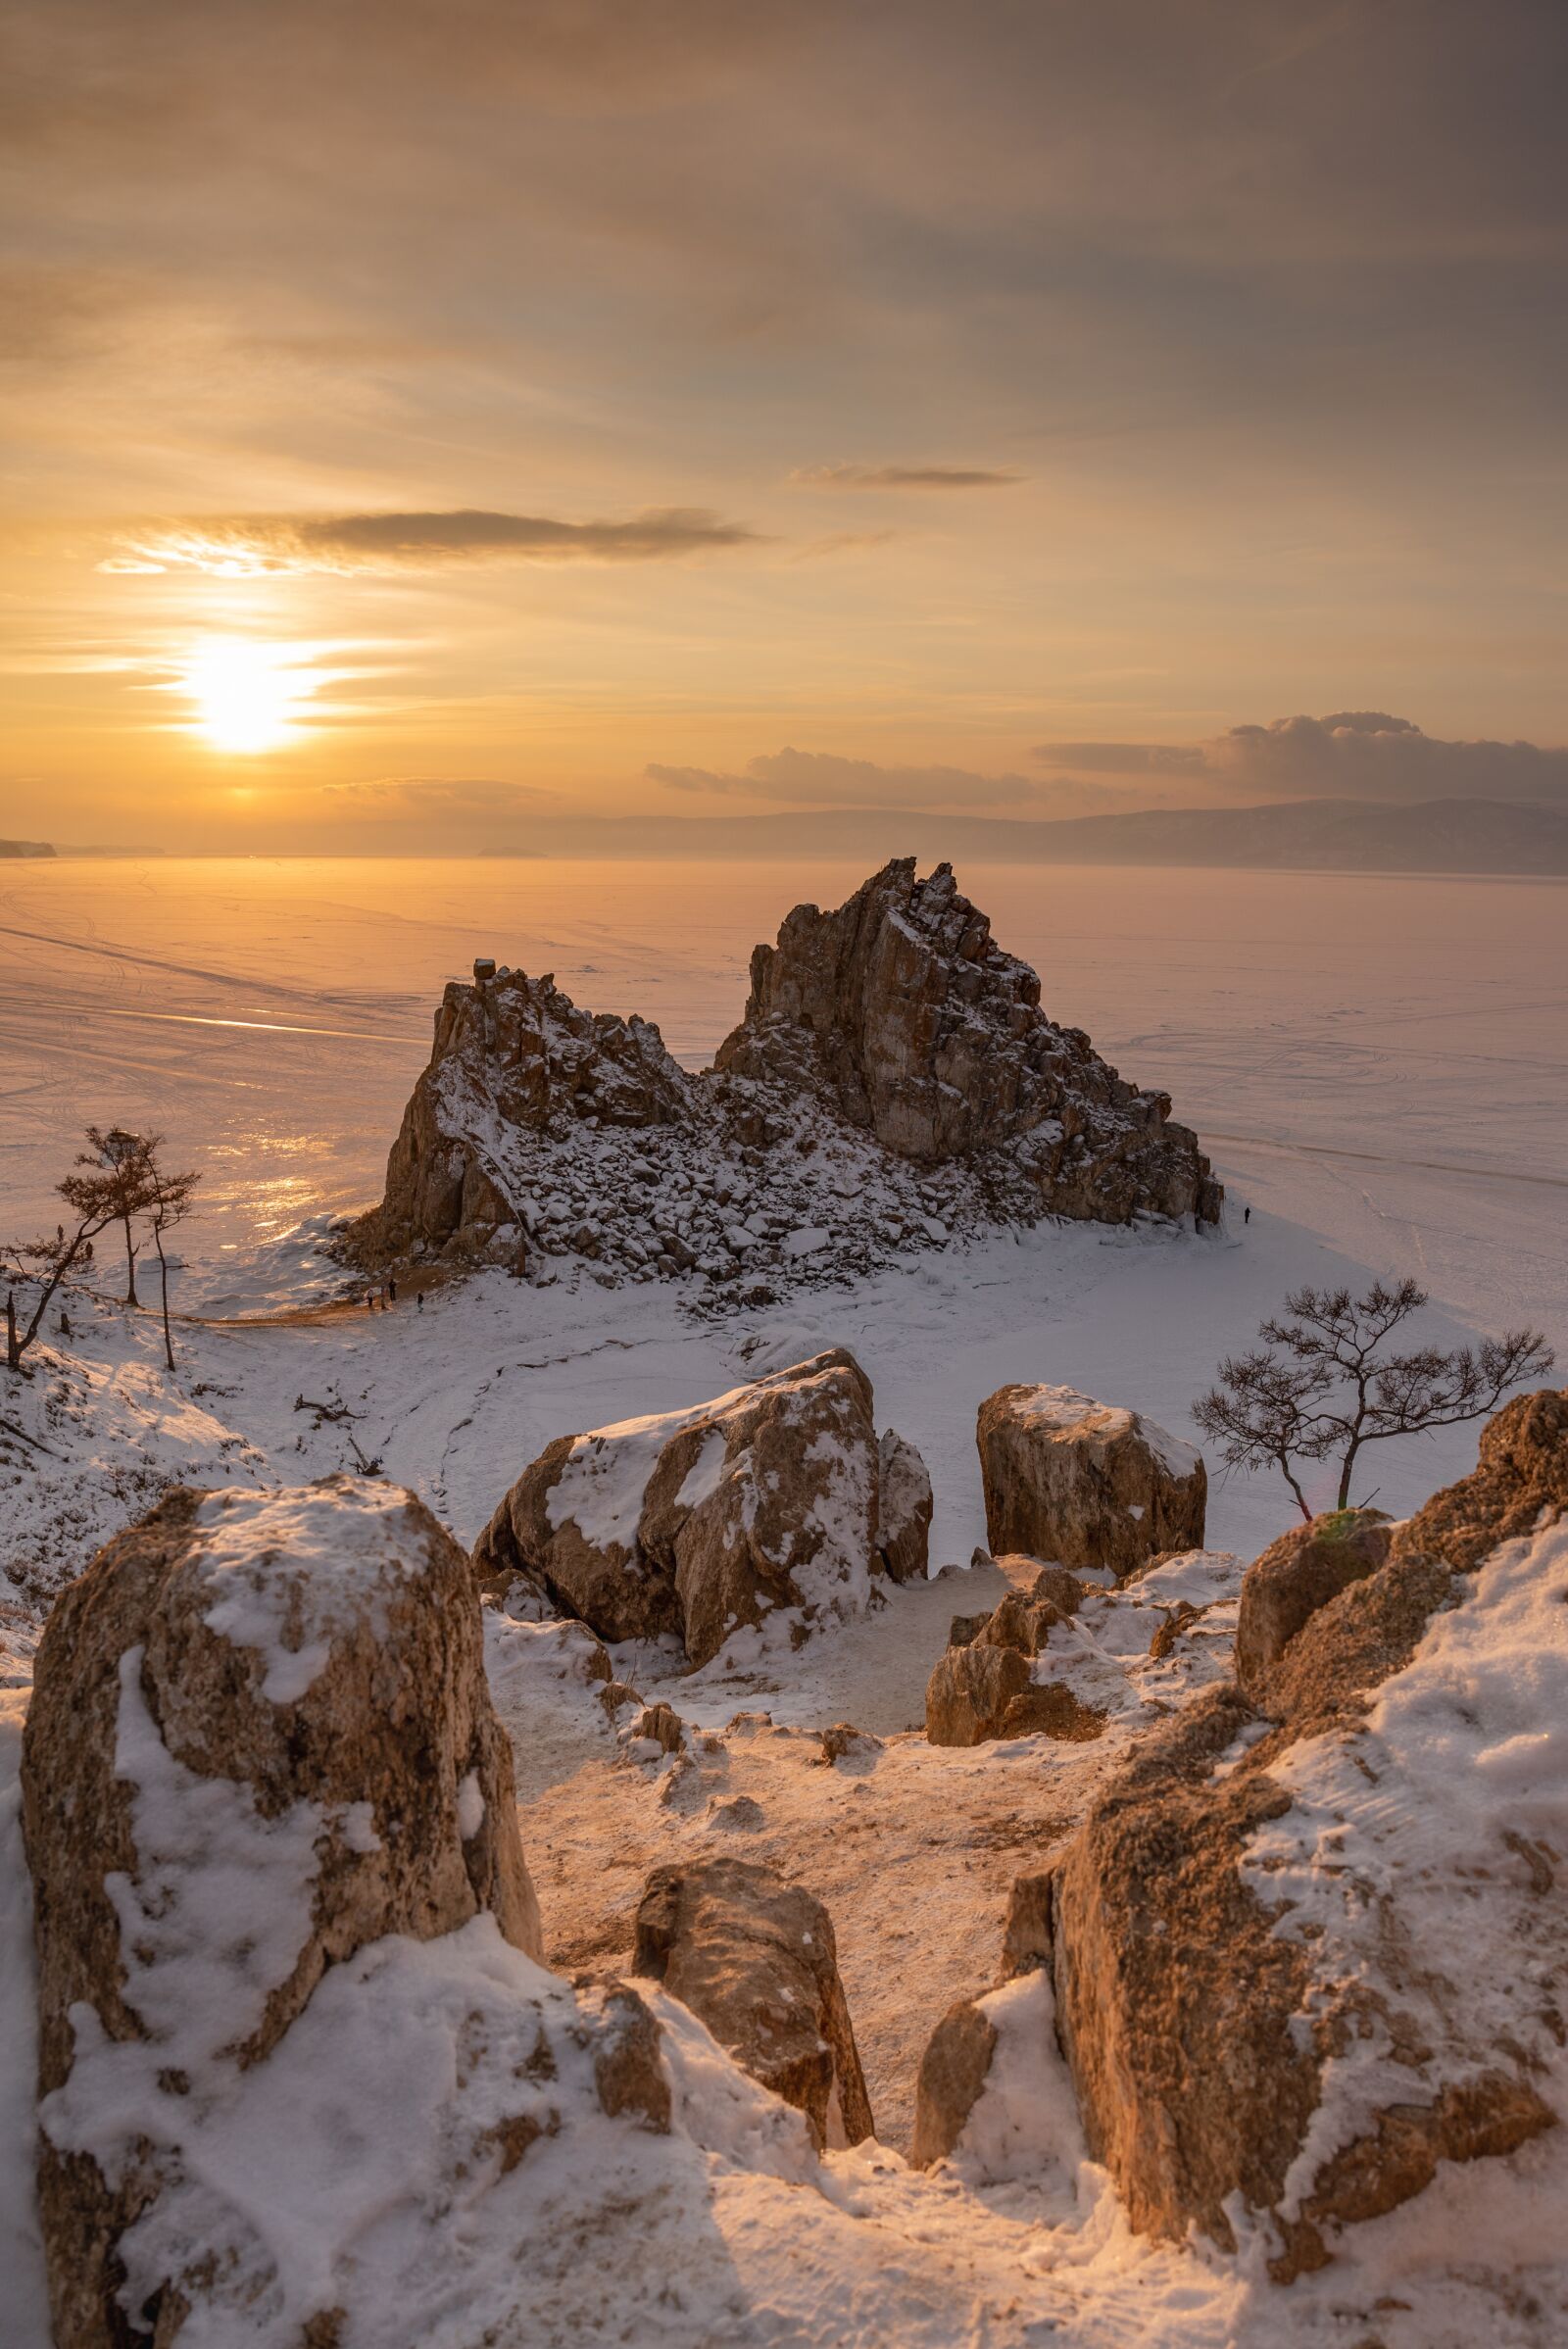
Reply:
x=247, y=696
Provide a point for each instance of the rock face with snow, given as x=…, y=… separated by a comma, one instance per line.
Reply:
x=697, y=1522
x=512, y=1056
x=754, y=1959
x=1086, y=1482
x=1309, y=1946
x=893, y=1084
x=260, y=1739
x=904, y=1505
x=904, y=1014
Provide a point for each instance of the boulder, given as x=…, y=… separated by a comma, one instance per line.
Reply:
x=954, y=2070
x=662, y=1725
x=900, y=1010
x=1307, y=1947
x=260, y=1739
x=1085, y=1483
x=754, y=1959
x=989, y=1691
x=902, y=1509
x=984, y=1684
x=695, y=1522
x=1296, y=1575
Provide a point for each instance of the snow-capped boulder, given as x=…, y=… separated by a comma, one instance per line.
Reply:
x=755, y=1958
x=697, y=1522
x=1086, y=1482
x=1306, y=1955
x=904, y=1505
x=901, y=1013
x=260, y=1739
x=1296, y=1575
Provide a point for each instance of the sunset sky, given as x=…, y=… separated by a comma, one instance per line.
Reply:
x=423, y=422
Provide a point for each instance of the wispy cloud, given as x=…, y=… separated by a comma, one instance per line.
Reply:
x=242, y=548
x=1350, y=753
x=902, y=476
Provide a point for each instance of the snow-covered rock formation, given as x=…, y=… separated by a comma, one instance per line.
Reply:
x=260, y=1745
x=894, y=1082
x=774, y=1497
x=1306, y=1953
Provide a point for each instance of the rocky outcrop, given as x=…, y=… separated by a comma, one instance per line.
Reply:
x=260, y=1739
x=901, y=1011
x=754, y=1959
x=512, y=1056
x=1296, y=1575
x=1085, y=1483
x=894, y=1082
x=985, y=1685
x=698, y=1522
x=1275, y=1984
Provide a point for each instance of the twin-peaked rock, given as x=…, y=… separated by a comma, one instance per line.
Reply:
x=892, y=1080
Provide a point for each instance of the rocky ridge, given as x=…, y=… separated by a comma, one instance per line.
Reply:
x=1306, y=1952
x=892, y=1085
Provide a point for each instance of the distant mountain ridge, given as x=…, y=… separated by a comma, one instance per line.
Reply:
x=1431, y=835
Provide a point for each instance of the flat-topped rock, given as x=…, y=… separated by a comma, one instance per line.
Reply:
x=1086, y=1484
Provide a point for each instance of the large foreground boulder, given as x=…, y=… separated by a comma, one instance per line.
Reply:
x=695, y=1522
x=755, y=1958
x=260, y=1741
x=1310, y=1945
x=1086, y=1482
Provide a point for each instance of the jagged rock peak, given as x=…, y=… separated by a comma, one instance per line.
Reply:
x=902, y=1006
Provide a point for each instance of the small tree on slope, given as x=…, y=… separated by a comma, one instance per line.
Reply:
x=48, y=1262
x=1321, y=1386
x=120, y=1164
x=171, y=1199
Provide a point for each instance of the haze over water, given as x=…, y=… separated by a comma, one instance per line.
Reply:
x=1383, y=1060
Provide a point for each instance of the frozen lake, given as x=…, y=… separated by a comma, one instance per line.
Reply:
x=1382, y=1062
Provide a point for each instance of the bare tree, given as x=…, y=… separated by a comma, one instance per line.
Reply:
x=1321, y=1386
x=119, y=1163
x=50, y=1261
x=171, y=1199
